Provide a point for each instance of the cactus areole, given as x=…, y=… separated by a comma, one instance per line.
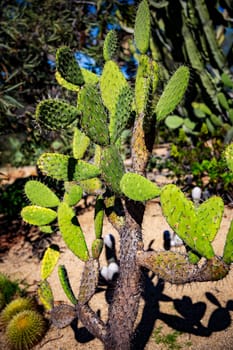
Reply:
x=105, y=107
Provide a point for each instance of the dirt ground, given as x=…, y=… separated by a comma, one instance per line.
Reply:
x=200, y=312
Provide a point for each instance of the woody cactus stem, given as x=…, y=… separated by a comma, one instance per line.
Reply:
x=122, y=314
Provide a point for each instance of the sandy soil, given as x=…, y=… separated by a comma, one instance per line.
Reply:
x=201, y=312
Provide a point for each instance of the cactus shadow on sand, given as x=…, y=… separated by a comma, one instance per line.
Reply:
x=189, y=318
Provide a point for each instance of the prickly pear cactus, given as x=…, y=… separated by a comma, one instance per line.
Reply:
x=106, y=105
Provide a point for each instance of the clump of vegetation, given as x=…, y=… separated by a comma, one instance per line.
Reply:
x=8, y=289
x=170, y=340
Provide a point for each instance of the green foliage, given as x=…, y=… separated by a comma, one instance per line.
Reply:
x=170, y=340
x=8, y=289
x=65, y=283
x=229, y=156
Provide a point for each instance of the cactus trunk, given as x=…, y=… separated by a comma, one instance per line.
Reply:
x=124, y=307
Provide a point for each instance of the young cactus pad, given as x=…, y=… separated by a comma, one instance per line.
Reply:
x=39, y=216
x=173, y=93
x=111, y=83
x=142, y=27
x=138, y=188
x=110, y=45
x=45, y=295
x=49, y=261
x=73, y=193
x=80, y=143
x=181, y=216
x=68, y=67
x=71, y=231
x=56, y=114
x=65, y=168
x=40, y=194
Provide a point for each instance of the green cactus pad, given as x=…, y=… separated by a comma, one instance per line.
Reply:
x=65, y=283
x=119, y=120
x=39, y=194
x=91, y=186
x=71, y=231
x=49, y=261
x=73, y=193
x=62, y=167
x=181, y=216
x=96, y=247
x=46, y=229
x=89, y=281
x=56, y=114
x=25, y=330
x=111, y=83
x=80, y=143
x=110, y=45
x=146, y=82
x=45, y=295
x=64, y=83
x=112, y=167
x=68, y=67
x=209, y=215
x=99, y=216
x=228, y=248
x=138, y=188
x=228, y=154
x=89, y=77
x=142, y=27
x=173, y=93
x=94, y=115
x=36, y=215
